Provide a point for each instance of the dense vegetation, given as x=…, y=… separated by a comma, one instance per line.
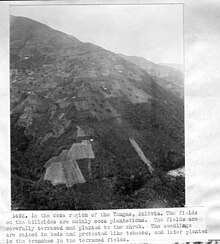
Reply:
x=122, y=182
x=59, y=83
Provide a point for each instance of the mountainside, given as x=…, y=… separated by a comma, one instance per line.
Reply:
x=178, y=67
x=67, y=95
x=169, y=78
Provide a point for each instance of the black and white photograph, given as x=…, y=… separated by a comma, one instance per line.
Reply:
x=97, y=107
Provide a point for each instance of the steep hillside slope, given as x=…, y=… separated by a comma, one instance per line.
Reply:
x=173, y=66
x=169, y=78
x=60, y=84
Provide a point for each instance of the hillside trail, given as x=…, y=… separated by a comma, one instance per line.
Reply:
x=141, y=155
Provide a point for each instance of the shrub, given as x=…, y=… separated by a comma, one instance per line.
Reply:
x=127, y=184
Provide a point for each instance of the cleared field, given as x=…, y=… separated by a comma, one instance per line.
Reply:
x=72, y=173
x=61, y=157
x=135, y=95
x=80, y=151
x=80, y=132
x=55, y=174
x=63, y=169
x=66, y=172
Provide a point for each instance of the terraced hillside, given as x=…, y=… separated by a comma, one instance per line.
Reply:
x=62, y=87
x=168, y=77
